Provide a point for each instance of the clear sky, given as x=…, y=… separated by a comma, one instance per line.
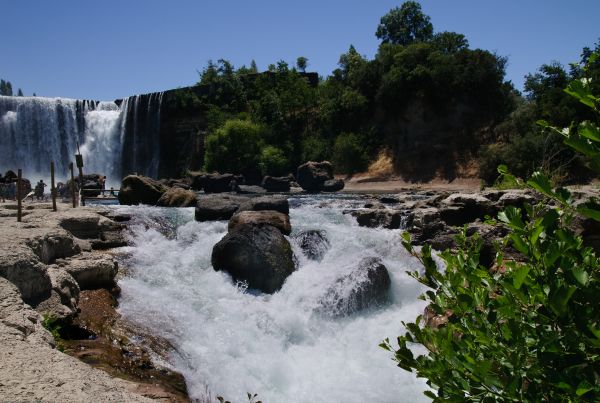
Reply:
x=115, y=48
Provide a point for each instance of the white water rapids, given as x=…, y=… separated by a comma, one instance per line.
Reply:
x=230, y=341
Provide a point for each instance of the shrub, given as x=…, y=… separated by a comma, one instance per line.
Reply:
x=348, y=154
x=528, y=330
x=315, y=149
x=273, y=162
x=234, y=147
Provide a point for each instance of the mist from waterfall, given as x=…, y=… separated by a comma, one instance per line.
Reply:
x=35, y=131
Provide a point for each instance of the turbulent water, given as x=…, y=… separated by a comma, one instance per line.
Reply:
x=114, y=140
x=230, y=341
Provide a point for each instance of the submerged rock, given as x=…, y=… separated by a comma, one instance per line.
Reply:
x=259, y=255
x=365, y=286
x=314, y=243
x=140, y=190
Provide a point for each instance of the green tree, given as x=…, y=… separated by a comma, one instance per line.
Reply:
x=405, y=25
x=302, y=63
x=348, y=154
x=528, y=330
x=253, y=67
x=235, y=147
x=450, y=42
x=20, y=93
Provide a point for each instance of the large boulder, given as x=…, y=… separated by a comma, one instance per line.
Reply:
x=140, y=190
x=217, y=207
x=332, y=185
x=312, y=175
x=462, y=208
x=177, y=197
x=264, y=217
x=314, y=243
x=366, y=286
x=277, y=203
x=259, y=255
x=219, y=183
x=276, y=184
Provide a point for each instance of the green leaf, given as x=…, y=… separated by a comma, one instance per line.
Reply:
x=541, y=183
x=520, y=276
x=581, y=275
x=589, y=212
x=583, y=388
x=560, y=298
x=589, y=131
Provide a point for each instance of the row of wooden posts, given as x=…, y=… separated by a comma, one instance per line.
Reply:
x=52, y=187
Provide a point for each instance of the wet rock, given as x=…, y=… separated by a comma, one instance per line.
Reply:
x=217, y=207
x=312, y=175
x=364, y=287
x=140, y=190
x=332, y=185
x=276, y=184
x=264, y=217
x=314, y=243
x=259, y=255
x=277, y=203
x=374, y=218
x=177, y=197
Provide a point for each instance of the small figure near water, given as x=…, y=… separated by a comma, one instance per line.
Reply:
x=39, y=190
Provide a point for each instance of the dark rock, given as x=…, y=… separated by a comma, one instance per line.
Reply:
x=312, y=175
x=389, y=200
x=264, y=217
x=332, y=185
x=277, y=203
x=373, y=218
x=197, y=180
x=177, y=197
x=140, y=190
x=219, y=183
x=259, y=255
x=217, y=207
x=314, y=243
x=250, y=189
x=365, y=286
x=276, y=184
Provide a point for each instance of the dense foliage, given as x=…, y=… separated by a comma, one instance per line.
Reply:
x=528, y=329
x=6, y=89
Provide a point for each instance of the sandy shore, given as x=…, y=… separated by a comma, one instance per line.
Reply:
x=364, y=184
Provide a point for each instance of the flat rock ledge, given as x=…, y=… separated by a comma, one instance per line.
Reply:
x=45, y=262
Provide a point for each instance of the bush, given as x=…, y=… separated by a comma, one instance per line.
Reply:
x=273, y=162
x=315, y=149
x=348, y=154
x=526, y=330
x=234, y=147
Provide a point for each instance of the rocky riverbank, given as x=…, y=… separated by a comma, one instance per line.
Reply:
x=57, y=281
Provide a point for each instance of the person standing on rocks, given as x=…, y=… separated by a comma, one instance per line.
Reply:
x=39, y=190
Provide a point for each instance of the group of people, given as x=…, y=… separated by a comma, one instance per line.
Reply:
x=8, y=188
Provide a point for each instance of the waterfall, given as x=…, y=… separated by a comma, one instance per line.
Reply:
x=114, y=140
x=229, y=340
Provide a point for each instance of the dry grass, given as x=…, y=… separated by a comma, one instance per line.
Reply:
x=383, y=166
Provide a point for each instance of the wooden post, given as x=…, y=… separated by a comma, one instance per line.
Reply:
x=79, y=161
x=19, y=196
x=72, y=185
x=52, y=187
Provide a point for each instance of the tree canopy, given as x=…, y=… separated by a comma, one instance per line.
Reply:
x=405, y=25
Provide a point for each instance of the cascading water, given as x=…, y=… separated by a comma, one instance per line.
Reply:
x=114, y=140
x=230, y=340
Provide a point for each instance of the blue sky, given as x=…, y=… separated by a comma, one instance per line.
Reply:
x=114, y=48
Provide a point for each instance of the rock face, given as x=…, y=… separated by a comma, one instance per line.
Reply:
x=260, y=218
x=314, y=243
x=140, y=190
x=259, y=255
x=365, y=286
x=312, y=175
x=222, y=207
x=276, y=184
x=91, y=271
x=64, y=297
x=177, y=197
